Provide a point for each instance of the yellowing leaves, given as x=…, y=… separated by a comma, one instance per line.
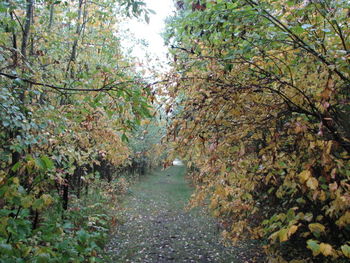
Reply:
x=326, y=249
x=292, y=230
x=2, y=177
x=333, y=187
x=304, y=176
x=284, y=234
x=299, y=128
x=222, y=191
x=346, y=250
x=317, y=228
x=326, y=93
x=294, y=158
x=48, y=200
x=145, y=122
x=312, y=183
x=344, y=220
x=3, y=225
x=27, y=201
x=15, y=180
x=322, y=196
x=320, y=248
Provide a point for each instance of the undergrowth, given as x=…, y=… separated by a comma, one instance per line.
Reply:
x=75, y=235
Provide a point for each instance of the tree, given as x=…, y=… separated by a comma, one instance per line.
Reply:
x=263, y=87
x=69, y=97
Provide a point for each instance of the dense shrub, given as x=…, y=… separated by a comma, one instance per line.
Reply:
x=263, y=90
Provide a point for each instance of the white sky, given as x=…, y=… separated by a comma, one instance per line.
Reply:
x=150, y=32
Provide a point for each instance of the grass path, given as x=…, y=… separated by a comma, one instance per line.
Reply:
x=158, y=229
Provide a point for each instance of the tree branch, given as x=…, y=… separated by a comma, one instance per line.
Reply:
x=107, y=87
x=296, y=38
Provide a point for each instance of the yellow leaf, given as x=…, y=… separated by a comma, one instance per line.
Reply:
x=326, y=93
x=346, y=250
x=304, y=176
x=305, y=234
x=27, y=201
x=2, y=178
x=344, y=220
x=317, y=228
x=26, y=251
x=322, y=197
x=292, y=230
x=214, y=203
x=283, y=235
x=47, y=199
x=15, y=180
x=326, y=249
x=3, y=225
x=273, y=237
x=333, y=187
x=312, y=183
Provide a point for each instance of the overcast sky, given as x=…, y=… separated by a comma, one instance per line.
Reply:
x=150, y=32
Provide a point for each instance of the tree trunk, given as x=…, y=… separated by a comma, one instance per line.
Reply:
x=52, y=11
x=78, y=30
x=26, y=29
x=79, y=173
x=35, y=219
x=86, y=188
x=14, y=41
x=65, y=196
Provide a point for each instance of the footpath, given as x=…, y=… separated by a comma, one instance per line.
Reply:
x=158, y=229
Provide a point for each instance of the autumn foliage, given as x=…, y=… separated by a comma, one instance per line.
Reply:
x=69, y=103
x=261, y=113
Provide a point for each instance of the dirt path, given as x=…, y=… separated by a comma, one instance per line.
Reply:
x=158, y=229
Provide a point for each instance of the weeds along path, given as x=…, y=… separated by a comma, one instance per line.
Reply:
x=158, y=229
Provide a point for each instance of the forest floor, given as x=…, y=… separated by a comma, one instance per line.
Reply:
x=157, y=228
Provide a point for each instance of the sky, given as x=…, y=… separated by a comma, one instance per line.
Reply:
x=150, y=32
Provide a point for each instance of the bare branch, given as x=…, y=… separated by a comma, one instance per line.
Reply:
x=107, y=87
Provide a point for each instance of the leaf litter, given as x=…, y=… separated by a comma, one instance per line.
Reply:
x=158, y=228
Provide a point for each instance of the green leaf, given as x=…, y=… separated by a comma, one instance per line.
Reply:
x=5, y=123
x=283, y=235
x=44, y=163
x=82, y=236
x=48, y=162
x=38, y=204
x=27, y=201
x=313, y=246
x=125, y=138
x=40, y=163
x=147, y=18
x=346, y=250
x=43, y=258
x=16, y=166
x=151, y=11
x=6, y=249
x=3, y=9
x=297, y=29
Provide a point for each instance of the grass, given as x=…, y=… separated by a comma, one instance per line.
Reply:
x=157, y=228
x=168, y=186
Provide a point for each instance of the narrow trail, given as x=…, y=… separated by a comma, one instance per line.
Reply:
x=157, y=228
